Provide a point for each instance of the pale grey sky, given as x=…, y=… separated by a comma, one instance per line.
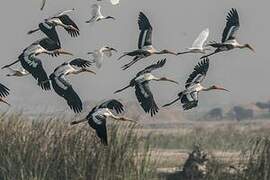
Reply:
x=176, y=24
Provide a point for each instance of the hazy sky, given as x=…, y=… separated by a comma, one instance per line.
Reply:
x=176, y=24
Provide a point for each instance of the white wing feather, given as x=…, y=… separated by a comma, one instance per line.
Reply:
x=96, y=10
x=199, y=42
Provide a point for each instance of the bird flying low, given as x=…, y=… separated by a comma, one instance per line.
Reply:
x=98, y=115
x=145, y=47
x=96, y=14
x=198, y=44
x=48, y=26
x=98, y=55
x=142, y=89
x=228, y=41
x=61, y=85
x=4, y=92
x=33, y=65
x=189, y=97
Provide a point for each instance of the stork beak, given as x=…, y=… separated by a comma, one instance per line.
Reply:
x=90, y=71
x=2, y=100
x=222, y=89
x=169, y=80
x=129, y=120
x=62, y=51
x=251, y=48
x=112, y=49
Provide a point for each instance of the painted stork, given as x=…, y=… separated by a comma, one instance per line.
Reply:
x=142, y=89
x=189, y=97
x=96, y=14
x=198, y=44
x=61, y=19
x=61, y=85
x=33, y=65
x=17, y=72
x=229, y=41
x=99, y=54
x=145, y=47
x=4, y=92
x=98, y=115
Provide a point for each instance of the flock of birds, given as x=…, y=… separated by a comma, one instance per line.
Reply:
x=51, y=45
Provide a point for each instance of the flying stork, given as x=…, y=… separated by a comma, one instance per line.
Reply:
x=61, y=85
x=189, y=97
x=228, y=41
x=96, y=14
x=98, y=115
x=99, y=54
x=145, y=47
x=17, y=72
x=33, y=65
x=61, y=19
x=198, y=44
x=4, y=92
x=142, y=89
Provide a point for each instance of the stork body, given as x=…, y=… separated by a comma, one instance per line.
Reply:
x=142, y=89
x=98, y=116
x=97, y=15
x=189, y=97
x=64, y=88
x=98, y=55
x=145, y=47
x=229, y=41
x=198, y=44
x=61, y=19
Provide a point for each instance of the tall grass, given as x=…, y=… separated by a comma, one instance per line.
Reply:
x=46, y=149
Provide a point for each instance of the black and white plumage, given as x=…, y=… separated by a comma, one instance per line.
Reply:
x=189, y=97
x=31, y=63
x=98, y=115
x=97, y=15
x=4, y=92
x=228, y=41
x=145, y=47
x=61, y=19
x=142, y=89
x=64, y=88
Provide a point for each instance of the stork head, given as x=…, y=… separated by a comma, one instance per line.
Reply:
x=167, y=79
x=110, y=17
x=249, y=47
x=214, y=87
x=165, y=51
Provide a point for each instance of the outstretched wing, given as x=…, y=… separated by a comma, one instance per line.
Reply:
x=99, y=124
x=145, y=98
x=64, y=89
x=152, y=67
x=50, y=31
x=113, y=105
x=4, y=91
x=145, y=38
x=199, y=73
x=80, y=63
x=96, y=10
x=232, y=26
x=67, y=21
x=34, y=66
x=198, y=43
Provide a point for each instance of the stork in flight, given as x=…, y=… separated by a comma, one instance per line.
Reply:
x=198, y=44
x=98, y=115
x=228, y=41
x=142, y=89
x=17, y=72
x=61, y=85
x=33, y=65
x=98, y=55
x=96, y=14
x=145, y=47
x=61, y=19
x=4, y=92
x=189, y=97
